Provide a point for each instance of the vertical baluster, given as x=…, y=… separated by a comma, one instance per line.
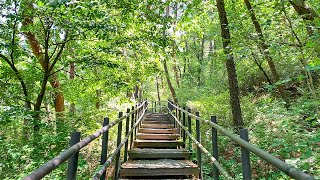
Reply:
x=189, y=129
x=180, y=129
x=245, y=156
x=117, y=166
x=73, y=160
x=178, y=117
x=135, y=120
x=132, y=123
x=125, y=158
x=198, y=134
x=215, y=148
x=104, y=150
x=184, y=124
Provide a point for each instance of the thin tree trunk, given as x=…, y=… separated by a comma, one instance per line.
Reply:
x=140, y=95
x=174, y=57
x=72, y=74
x=232, y=76
x=201, y=57
x=303, y=62
x=259, y=64
x=158, y=91
x=185, y=58
x=98, y=94
x=266, y=53
x=136, y=91
x=173, y=93
x=175, y=68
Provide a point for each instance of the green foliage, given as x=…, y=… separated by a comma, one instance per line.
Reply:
x=118, y=45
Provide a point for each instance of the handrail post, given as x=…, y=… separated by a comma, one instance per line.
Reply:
x=245, y=156
x=155, y=106
x=125, y=158
x=198, y=134
x=176, y=113
x=184, y=124
x=189, y=129
x=179, y=118
x=73, y=160
x=117, y=166
x=104, y=150
x=215, y=151
x=174, y=123
x=135, y=120
x=132, y=122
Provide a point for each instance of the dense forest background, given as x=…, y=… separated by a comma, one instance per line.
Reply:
x=64, y=65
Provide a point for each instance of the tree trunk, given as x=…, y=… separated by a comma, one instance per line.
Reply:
x=303, y=62
x=98, y=94
x=174, y=57
x=72, y=74
x=309, y=15
x=158, y=91
x=201, y=57
x=175, y=69
x=306, y=12
x=173, y=93
x=266, y=52
x=259, y=64
x=136, y=91
x=140, y=95
x=36, y=49
x=232, y=76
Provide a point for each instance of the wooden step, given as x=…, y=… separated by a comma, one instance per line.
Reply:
x=157, y=143
x=157, y=126
x=158, y=131
x=136, y=153
x=157, y=136
x=160, y=167
x=157, y=122
x=157, y=117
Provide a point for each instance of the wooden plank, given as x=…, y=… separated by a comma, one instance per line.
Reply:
x=157, y=131
x=157, y=126
x=136, y=153
x=162, y=167
x=157, y=119
x=157, y=144
x=157, y=122
x=157, y=136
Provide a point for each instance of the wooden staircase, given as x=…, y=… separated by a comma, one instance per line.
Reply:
x=157, y=152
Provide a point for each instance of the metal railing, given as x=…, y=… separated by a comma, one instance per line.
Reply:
x=176, y=111
x=71, y=154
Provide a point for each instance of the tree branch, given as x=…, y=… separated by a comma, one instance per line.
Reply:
x=59, y=52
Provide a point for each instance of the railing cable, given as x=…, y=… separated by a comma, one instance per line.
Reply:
x=291, y=171
x=66, y=154
x=116, y=151
x=203, y=149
